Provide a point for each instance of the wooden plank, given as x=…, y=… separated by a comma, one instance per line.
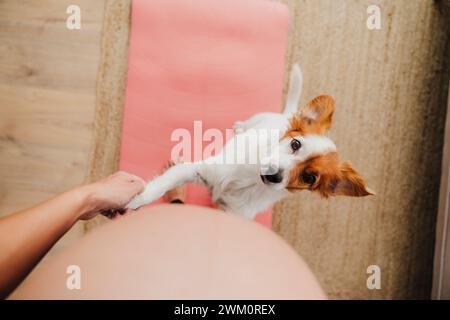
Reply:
x=47, y=98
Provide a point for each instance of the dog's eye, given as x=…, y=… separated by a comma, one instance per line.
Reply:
x=295, y=144
x=309, y=178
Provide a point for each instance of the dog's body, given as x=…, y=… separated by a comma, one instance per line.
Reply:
x=264, y=173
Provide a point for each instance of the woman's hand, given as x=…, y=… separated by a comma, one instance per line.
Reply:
x=26, y=236
x=110, y=195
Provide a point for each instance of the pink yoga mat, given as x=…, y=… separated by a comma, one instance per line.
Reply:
x=214, y=61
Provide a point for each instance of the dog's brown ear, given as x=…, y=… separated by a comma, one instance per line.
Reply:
x=315, y=117
x=350, y=183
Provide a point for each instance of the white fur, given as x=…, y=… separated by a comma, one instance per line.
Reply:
x=295, y=90
x=238, y=187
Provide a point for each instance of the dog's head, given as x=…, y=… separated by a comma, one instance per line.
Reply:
x=308, y=160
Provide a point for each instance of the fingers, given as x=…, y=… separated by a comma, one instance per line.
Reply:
x=116, y=191
x=137, y=182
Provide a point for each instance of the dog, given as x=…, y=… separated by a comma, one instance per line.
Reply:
x=303, y=158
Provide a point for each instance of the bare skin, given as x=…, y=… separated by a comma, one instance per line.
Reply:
x=213, y=249
x=26, y=236
x=176, y=252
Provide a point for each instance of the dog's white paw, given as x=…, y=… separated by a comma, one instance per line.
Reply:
x=151, y=193
x=136, y=203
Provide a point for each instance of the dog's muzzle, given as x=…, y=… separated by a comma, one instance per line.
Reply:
x=272, y=178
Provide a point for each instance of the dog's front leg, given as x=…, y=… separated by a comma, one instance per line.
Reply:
x=177, y=175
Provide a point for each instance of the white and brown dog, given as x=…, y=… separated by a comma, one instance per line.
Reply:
x=302, y=159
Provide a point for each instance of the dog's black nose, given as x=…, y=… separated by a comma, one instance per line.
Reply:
x=272, y=178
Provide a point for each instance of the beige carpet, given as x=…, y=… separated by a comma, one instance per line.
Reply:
x=391, y=87
x=111, y=82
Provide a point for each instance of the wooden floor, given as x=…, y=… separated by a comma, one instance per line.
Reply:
x=47, y=98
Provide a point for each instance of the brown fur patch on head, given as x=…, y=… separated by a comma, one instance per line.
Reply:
x=331, y=178
x=314, y=118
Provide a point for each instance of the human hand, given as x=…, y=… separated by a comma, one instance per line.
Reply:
x=110, y=195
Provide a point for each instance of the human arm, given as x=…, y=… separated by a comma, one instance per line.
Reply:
x=26, y=236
